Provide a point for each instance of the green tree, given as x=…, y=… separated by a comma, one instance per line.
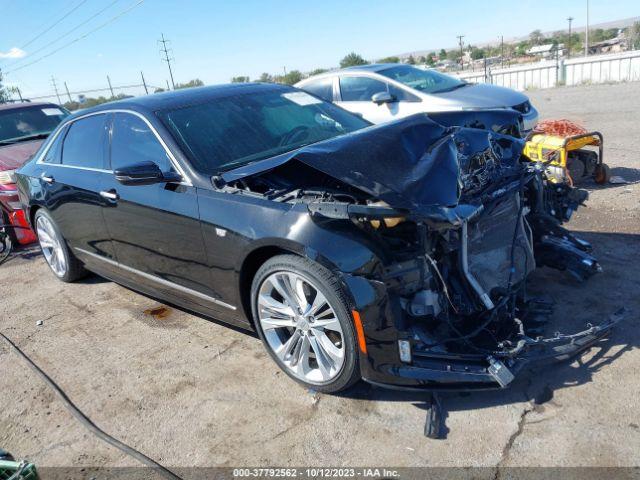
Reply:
x=6, y=92
x=411, y=60
x=633, y=34
x=291, y=78
x=431, y=59
x=159, y=90
x=351, y=60
x=196, y=82
x=318, y=71
x=265, y=78
x=453, y=54
x=240, y=79
x=443, y=54
x=389, y=60
x=422, y=59
x=536, y=37
x=477, y=53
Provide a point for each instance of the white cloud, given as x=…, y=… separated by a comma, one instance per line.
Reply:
x=13, y=52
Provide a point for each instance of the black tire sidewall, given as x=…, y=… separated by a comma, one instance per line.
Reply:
x=350, y=371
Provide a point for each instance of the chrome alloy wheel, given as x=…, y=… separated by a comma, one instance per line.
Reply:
x=301, y=327
x=51, y=246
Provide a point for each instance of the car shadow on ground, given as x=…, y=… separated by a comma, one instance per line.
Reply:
x=576, y=305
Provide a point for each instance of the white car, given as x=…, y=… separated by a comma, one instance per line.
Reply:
x=384, y=92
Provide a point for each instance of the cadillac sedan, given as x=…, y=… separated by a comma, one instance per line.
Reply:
x=396, y=253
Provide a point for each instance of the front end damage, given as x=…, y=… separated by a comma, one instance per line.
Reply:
x=459, y=220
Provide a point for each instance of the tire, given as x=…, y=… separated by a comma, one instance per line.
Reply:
x=62, y=262
x=602, y=174
x=296, y=336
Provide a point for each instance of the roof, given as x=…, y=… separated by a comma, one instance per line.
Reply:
x=373, y=67
x=187, y=96
x=19, y=105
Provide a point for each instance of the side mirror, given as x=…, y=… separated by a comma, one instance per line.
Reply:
x=382, y=97
x=143, y=173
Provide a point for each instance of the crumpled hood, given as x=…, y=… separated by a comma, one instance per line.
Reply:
x=482, y=95
x=15, y=155
x=413, y=163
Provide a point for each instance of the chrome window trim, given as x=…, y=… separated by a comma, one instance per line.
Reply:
x=159, y=280
x=172, y=158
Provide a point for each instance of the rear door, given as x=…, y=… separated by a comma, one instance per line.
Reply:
x=74, y=170
x=155, y=228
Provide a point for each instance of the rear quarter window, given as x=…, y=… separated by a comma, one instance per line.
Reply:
x=322, y=88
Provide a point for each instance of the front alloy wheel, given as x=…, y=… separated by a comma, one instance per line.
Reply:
x=302, y=318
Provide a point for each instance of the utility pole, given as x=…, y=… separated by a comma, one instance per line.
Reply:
x=167, y=59
x=570, y=19
x=285, y=71
x=586, y=34
x=110, y=87
x=460, y=37
x=67, y=89
x=19, y=94
x=502, y=51
x=168, y=87
x=55, y=87
x=144, y=84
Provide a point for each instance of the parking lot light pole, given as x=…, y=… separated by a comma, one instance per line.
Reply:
x=570, y=19
x=586, y=34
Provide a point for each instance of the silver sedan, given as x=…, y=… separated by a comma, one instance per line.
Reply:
x=384, y=92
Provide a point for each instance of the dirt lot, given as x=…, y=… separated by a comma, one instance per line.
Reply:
x=188, y=391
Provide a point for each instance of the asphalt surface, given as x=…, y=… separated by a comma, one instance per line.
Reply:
x=188, y=391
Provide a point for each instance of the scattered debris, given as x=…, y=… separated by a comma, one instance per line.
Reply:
x=39, y=323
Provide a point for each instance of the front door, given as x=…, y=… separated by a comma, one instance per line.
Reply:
x=155, y=228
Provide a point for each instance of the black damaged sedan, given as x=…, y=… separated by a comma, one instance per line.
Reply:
x=396, y=253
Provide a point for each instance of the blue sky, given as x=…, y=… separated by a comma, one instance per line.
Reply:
x=215, y=40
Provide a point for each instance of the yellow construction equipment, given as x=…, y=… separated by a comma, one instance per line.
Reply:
x=569, y=159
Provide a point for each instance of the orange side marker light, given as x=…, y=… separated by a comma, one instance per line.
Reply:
x=359, y=331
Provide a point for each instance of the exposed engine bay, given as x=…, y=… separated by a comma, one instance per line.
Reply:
x=459, y=218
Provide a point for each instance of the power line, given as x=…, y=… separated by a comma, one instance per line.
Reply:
x=17, y=62
x=54, y=24
x=81, y=37
x=166, y=58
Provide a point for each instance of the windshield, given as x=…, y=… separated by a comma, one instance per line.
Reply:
x=232, y=131
x=427, y=81
x=24, y=123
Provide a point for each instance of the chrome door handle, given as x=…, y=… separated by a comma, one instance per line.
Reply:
x=110, y=195
x=47, y=179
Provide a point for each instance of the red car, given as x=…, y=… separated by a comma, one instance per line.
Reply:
x=23, y=128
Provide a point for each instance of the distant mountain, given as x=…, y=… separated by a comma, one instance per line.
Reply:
x=627, y=22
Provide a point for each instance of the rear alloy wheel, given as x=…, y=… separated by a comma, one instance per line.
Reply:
x=62, y=262
x=303, y=320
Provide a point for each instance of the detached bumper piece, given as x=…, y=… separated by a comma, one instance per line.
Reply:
x=432, y=370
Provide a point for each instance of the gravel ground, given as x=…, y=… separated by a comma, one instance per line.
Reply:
x=188, y=391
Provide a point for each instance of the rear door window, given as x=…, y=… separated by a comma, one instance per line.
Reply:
x=322, y=88
x=85, y=143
